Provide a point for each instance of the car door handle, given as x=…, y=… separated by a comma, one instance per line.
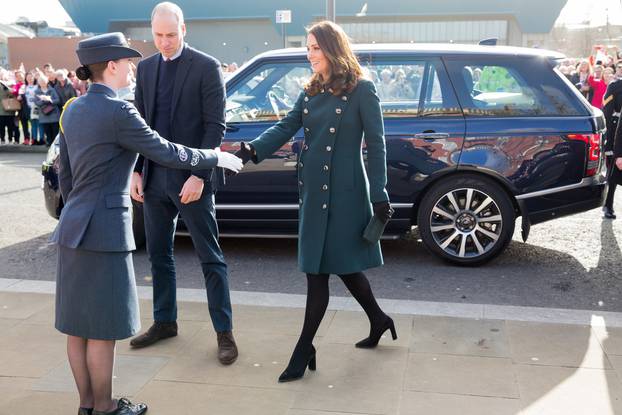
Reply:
x=432, y=136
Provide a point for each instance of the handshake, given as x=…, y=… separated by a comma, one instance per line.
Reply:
x=233, y=163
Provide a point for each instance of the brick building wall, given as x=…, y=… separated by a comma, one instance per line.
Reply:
x=59, y=51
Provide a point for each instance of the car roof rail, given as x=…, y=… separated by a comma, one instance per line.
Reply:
x=489, y=42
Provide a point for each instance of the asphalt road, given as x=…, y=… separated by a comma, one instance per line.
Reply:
x=572, y=262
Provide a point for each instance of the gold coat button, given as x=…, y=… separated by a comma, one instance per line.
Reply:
x=300, y=182
x=300, y=201
x=306, y=99
x=306, y=129
x=300, y=164
x=325, y=167
x=328, y=148
x=338, y=110
x=345, y=98
x=324, y=206
x=325, y=187
x=332, y=130
x=306, y=111
x=306, y=147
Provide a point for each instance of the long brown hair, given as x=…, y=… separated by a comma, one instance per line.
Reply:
x=345, y=69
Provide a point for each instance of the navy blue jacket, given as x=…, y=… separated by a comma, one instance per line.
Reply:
x=198, y=106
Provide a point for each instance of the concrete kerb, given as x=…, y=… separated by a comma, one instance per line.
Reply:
x=20, y=148
x=594, y=318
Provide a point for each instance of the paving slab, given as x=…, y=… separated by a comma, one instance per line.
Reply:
x=23, y=305
x=168, y=347
x=459, y=336
x=348, y=327
x=31, y=350
x=262, y=358
x=463, y=375
x=354, y=380
x=131, y=374
x=555, y=345
x=425, y=403
x=175, y=398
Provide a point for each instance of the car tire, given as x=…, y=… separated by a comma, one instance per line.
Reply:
x=138, y=224
x=461, y=234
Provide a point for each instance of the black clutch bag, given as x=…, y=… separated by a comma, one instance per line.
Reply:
x=374, y=229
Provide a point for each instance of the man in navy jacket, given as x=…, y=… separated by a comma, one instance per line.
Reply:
x=181, y=94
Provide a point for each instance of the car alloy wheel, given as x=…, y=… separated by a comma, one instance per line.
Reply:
x=466, y=223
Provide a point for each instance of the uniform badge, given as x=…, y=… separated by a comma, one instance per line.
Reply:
x=195, y=159
x=183, y=156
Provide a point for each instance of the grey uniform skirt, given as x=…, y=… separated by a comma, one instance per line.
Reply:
x=96, y=294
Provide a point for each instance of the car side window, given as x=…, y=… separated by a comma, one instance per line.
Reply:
x=401, y=84
x=398, y=85
x=510, y=88
x=268, y=93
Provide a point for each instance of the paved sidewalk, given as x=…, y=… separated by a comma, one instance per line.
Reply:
x=438, y=365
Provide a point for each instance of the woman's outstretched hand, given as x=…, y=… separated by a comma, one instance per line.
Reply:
x=245, y=153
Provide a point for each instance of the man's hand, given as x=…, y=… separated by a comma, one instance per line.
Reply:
x=192, y=190
x=619, y=163
x=136, y=187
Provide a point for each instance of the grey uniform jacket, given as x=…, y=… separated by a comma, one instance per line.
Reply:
x=98, y=149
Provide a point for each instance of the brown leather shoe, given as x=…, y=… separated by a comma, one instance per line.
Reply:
x=227, y=349
x=156, y=332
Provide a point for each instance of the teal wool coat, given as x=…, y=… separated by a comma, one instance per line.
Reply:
x=334, y=189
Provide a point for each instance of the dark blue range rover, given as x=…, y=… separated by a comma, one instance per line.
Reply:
x=476, y=136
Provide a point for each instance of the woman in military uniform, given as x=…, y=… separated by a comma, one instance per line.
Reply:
x=96, y=301
x=336, y=108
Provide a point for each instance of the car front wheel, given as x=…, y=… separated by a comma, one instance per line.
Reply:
x=466, y=220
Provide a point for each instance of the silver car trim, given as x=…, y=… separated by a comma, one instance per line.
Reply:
x=269, y=236
x=587, y=181
x=287, y=207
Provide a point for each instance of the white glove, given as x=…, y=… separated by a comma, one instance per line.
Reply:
x=228, y=161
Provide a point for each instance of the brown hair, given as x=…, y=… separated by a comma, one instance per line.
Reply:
x=345, y=70
x=94, y=71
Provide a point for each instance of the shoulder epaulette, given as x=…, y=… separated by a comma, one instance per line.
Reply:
x=60, y=120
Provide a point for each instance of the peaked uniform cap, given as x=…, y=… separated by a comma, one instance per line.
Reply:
x=104, y=48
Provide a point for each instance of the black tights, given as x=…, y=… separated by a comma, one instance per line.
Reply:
x=317, y=301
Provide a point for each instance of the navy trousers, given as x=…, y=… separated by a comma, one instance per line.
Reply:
x=162, y=206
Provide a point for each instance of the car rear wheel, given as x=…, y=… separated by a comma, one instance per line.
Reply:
x=467, y=220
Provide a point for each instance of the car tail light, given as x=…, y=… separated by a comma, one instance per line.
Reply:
x=592, y=142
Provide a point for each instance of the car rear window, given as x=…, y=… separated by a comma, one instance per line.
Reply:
x=516, y=87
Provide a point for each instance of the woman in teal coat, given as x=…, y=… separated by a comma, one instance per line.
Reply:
x=336, y=109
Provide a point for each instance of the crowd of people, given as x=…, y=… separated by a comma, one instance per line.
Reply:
x=592, y=76
x=33, y=100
